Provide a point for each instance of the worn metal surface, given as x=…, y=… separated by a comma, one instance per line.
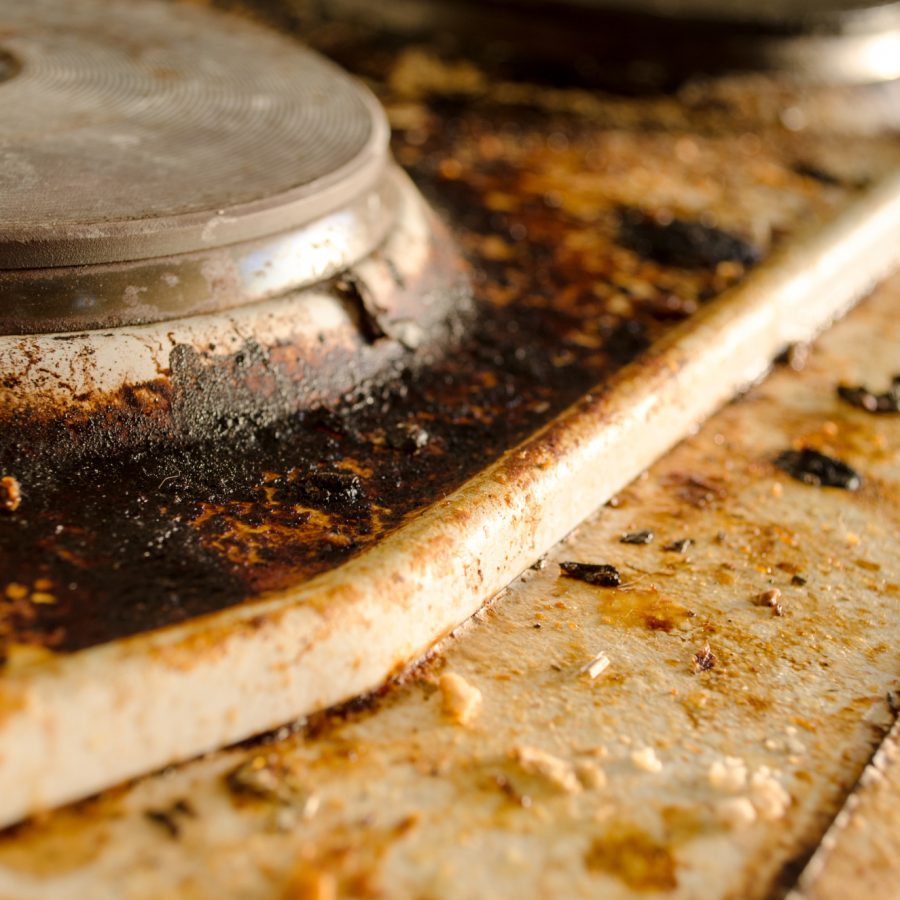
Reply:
x=138, y=130
x=392, y=797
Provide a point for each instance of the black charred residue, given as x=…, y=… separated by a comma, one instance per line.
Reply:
x=358, y=297
x=815, y=468
x=679, y=546
x=683, y=243
x=863, y=398
x=598, y=574
x=637, y=537
x=134, y=534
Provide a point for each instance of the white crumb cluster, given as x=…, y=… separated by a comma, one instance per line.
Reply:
x=736, y=812
x=460, y=700
x=646, y=759
x=769, y=798
x=728, y=775
x=550, y=768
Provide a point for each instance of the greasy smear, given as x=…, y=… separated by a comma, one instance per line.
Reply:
x=634, y=857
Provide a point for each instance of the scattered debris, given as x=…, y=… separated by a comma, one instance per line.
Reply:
x=407, y=436
x=812, y=467
x=679, y=546
x=558, y=772
x=769, y=798
x=704, y=659
x=539, y=564
x=798, y=580
x=683, y=243
x=736, y=812
x=637, y=537
x=265, y=777
x=509, y=789
x=461, y=701
x=333, y=489
x=862, y=398
x=728, y=774
x=590, y=775
x=893, y=701
x=601, y=575
x=597, y=665
x=170, y=818
x=646, y=759
x=772, y=599
x=10, y=493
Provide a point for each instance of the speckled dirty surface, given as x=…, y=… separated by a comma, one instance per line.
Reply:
x=592, y=224
x=707, y=756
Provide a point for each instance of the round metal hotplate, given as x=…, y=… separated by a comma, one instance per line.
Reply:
x=134, y=130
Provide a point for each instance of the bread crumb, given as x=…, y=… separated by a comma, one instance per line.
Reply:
x=10, y=493
x=590, y=774
x=461, y=701
x=769, y=797
x=597, y=665
x=735, y=812
x=728, y=775
x=646, y=759
x=549, y=767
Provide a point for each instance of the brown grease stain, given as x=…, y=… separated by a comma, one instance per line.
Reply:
x=644, y=609
x=630, y=854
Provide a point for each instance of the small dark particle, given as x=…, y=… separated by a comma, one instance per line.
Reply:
x=407, y=436
x=637, y=537
x=356, y=294
x=601, y=575
x=683, y=243
x=794, y=355
x=10, y=493
x=332, y=489
x=537, y=625
x=679, y=546
x=809, y=170
x=893, y=702
x=704, y=659
x=539, y=564
x=169, y=819
x=507, y=788
x=862, y=398
x=263, y=778
x=798, y=580
x=812, y=467
x=772, y=599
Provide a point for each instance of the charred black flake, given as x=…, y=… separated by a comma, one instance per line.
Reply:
x=637, y=537
x=601, y=575
x=683, y=243
x=812, y=467
x=332, y=489
x=863, y=398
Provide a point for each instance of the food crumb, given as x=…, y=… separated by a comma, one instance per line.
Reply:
x=550, y=768
x=597, y=665
x=602, y=574
x=704, y=659
x=646, y=759
x=637, y=537
x=679, y=546
x=728, y=774
x=736, y=812
x=461, y=701
x=772, y=599
x=769, y=798
x=10, y=493
x=590, y=774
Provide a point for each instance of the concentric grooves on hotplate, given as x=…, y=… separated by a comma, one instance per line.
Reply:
x=141, y=129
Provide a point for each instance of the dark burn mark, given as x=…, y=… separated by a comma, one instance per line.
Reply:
x=358, y=297
x=863, y=398
x=812, y=467
x=682, y=243
x=637, y=537
x=598, y=574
